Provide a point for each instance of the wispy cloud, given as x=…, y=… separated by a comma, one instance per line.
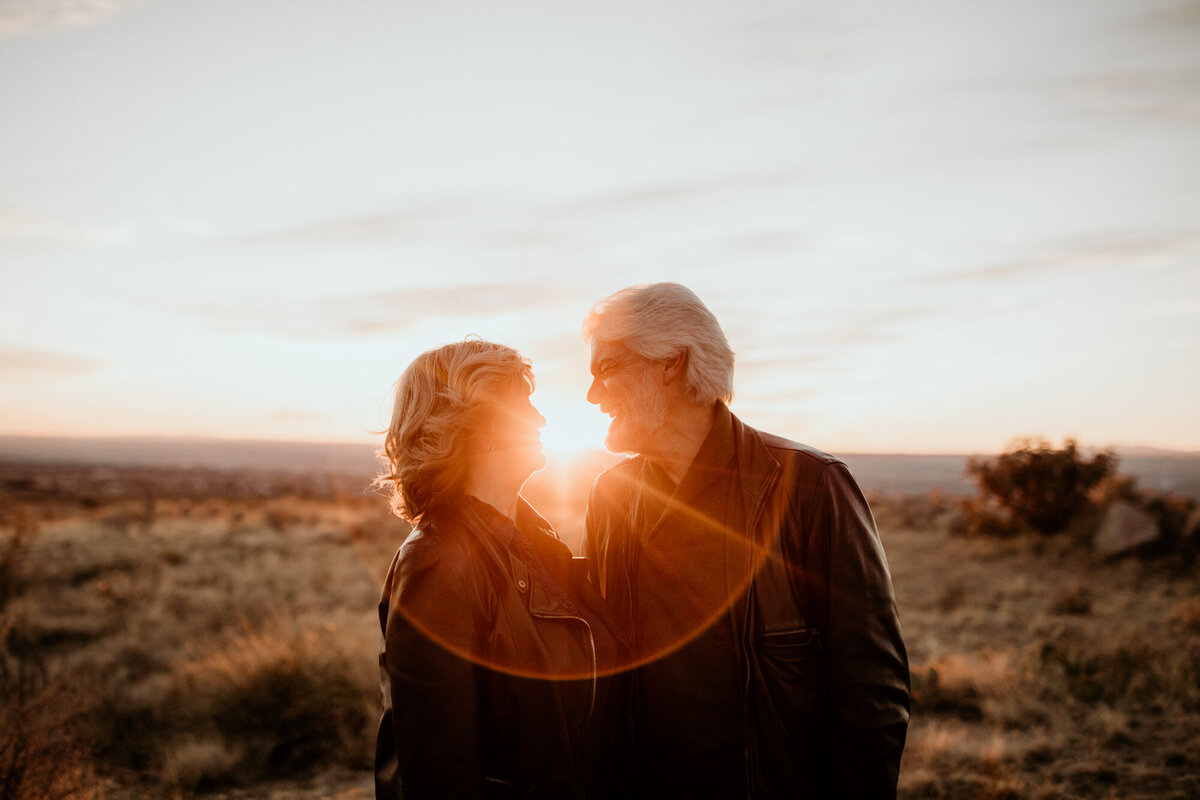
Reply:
x=359, y=228
x=1181, y=14
x=1141, y=93
x=666, y=194
x=17, y=362
x=21, y=17
x=1083, y=255
x=375, y=313
x=17, y=227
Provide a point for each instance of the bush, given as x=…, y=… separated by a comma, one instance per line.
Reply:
x=1042, y=487
x=42, y=754
x=14, y=554
x=263, y=705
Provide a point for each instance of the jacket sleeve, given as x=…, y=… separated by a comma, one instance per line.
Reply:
x=866, y=663
x=431, y=686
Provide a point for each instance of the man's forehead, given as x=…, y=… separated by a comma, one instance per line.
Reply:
x=606, y=351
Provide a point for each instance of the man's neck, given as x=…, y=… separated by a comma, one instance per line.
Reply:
x=679, y=440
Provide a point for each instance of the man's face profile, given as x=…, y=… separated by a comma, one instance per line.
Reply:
x=625, y=386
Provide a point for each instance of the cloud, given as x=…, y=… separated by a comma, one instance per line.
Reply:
x=354, y=229
x=1141, y=93
x=674, y=193
x=22, y=17
x=377, y=313
x=1083, y=255
x=20, y=228
x=1173, y=17
x=21, y=362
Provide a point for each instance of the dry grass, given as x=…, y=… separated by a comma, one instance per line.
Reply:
x=207, y=644
x=227, y=647
x=1039, y=671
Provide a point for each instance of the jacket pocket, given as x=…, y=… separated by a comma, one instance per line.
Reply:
x=785, y=699
x=789, y=662
x=789, y=645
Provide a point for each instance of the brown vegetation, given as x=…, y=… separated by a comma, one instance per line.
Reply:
x=197, y=643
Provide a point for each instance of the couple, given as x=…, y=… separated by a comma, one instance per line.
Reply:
x=732, y=632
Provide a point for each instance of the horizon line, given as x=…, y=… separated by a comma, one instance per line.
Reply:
x=1125, y=450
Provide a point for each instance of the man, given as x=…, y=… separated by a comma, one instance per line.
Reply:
x=747, y=570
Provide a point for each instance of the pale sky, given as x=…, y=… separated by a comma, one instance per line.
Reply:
x=926, y=226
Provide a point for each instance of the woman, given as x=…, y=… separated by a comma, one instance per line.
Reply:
x=494, y=648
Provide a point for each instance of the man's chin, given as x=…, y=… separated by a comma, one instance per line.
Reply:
x=623, y=441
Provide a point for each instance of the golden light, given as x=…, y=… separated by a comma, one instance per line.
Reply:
x=572, y=426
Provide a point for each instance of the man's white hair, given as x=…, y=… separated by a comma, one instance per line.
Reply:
x=659, y=321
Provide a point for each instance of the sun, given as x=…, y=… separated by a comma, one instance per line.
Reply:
x=572, y=427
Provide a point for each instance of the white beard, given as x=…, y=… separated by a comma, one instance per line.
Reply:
x=642, y=416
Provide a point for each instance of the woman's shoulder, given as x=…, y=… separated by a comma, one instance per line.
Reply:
x=433, y=565
x=434, y=541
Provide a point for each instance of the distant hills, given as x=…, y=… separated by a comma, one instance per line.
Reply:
x=1161, y=470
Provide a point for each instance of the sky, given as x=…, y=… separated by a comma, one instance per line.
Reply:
x=926, y=227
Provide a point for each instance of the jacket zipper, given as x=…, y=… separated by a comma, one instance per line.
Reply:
x=746, y=634
x=595, y=661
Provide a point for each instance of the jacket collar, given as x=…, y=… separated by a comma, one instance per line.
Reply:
x=758, y=472
x=757, y=468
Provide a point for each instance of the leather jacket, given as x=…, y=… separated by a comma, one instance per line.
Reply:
x=826, y=701
x=491, y=686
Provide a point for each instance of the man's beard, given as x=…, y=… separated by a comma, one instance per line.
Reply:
x=640, y=418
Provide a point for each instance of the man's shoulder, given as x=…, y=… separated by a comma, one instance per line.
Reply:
x=780, y=443
x=796, y=454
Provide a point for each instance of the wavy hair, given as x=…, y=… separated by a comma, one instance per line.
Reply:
x=441, y=402
x=659, y=321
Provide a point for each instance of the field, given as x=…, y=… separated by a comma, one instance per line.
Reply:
x=206, y=632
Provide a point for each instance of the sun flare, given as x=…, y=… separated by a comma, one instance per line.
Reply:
x=572, y=427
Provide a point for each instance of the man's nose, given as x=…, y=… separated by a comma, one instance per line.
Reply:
x=593, y=395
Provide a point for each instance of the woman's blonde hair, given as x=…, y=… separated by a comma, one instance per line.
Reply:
x=660, y=321
x=441, y=401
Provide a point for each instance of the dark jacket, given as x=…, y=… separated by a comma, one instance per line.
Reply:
x=825, y=669
x=491, y=686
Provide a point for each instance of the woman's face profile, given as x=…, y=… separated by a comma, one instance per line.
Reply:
x=515, y=433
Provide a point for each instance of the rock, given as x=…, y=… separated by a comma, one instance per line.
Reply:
x=1191, y=528
x=1125, y=527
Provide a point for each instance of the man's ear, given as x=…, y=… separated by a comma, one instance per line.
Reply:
x=675, y=367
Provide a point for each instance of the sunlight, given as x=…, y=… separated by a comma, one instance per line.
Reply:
x=572, y=427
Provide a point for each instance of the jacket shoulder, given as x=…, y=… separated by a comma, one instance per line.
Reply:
x=804, y=465
x=430, y=547
x=779, y=446
x=618, y=479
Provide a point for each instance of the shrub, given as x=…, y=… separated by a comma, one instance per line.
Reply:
x=1074, y=598
x=984, y=516
x=1041, y=486
x=14, y=554
x=263, y=705
x=42, y=754
x=1131, y=671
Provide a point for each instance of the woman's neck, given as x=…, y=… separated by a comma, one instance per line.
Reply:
x=484, y=484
